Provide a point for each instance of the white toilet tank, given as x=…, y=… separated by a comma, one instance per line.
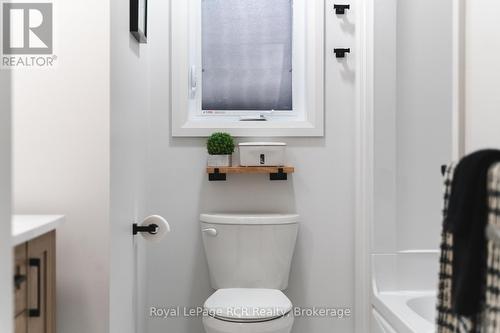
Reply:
x=249, y=250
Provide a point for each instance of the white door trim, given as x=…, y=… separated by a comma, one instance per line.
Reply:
x=458, y=71
x=364, y=165
x=6, y=251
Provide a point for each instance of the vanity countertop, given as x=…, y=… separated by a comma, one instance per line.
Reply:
x=28, y=227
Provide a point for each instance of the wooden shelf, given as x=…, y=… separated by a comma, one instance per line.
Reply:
x=275, y=173
x=242, y=169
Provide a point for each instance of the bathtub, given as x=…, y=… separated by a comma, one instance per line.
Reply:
x=405, y=312
x=404, y=292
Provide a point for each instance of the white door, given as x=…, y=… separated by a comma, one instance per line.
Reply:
x=6, y=311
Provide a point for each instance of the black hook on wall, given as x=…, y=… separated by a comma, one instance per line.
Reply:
x=340, y=9
x=340, y=53
x=444, y=168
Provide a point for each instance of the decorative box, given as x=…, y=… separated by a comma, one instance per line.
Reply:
x=262, y=153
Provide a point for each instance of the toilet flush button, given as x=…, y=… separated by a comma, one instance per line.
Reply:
x=210, y=231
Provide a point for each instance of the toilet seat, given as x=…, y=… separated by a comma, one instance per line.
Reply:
x=242, y=305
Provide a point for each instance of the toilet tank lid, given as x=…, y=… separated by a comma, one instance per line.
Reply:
x=252, y=219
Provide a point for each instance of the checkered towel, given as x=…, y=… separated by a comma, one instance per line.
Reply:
x=488, y=321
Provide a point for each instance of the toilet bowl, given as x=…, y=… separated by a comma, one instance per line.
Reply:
x=249, y=258
x=245, y=310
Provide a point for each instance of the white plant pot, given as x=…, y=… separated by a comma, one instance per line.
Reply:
x=219, y=160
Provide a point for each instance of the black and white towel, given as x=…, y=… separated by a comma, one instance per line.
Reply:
x=447, y=320
x=491, y=315
x=487, y=320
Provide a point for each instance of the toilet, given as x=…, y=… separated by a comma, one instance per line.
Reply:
x=249, y=258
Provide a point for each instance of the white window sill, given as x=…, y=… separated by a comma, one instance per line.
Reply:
x=272, y=128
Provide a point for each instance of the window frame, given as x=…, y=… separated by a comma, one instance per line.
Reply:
x=307, y=117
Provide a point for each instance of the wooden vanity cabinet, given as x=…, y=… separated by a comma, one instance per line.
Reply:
x=34, y=285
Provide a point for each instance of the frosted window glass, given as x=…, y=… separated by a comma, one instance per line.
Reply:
x=247, y=54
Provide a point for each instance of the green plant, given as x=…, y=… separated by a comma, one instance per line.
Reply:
x=220, y=144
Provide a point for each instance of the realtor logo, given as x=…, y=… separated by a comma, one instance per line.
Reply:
x=27, y=29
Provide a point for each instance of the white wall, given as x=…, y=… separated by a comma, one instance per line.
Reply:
x=62, y=158
x=321, y=191
x=385, y=106
x=482, y=74
x=413, y=121
x=6, y=301
x=129, y=154
x=424, y=118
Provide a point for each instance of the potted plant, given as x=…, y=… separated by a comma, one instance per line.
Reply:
x=220, y=147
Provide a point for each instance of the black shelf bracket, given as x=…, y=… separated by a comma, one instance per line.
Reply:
x=340, y=53
x=278, y=176
x=152, y=229
x=216, y=176
x=340, y=9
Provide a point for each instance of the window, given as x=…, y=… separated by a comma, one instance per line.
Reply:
x=250, y=67
x=247, y=55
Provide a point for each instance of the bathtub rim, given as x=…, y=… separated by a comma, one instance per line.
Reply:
x=393, y=307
